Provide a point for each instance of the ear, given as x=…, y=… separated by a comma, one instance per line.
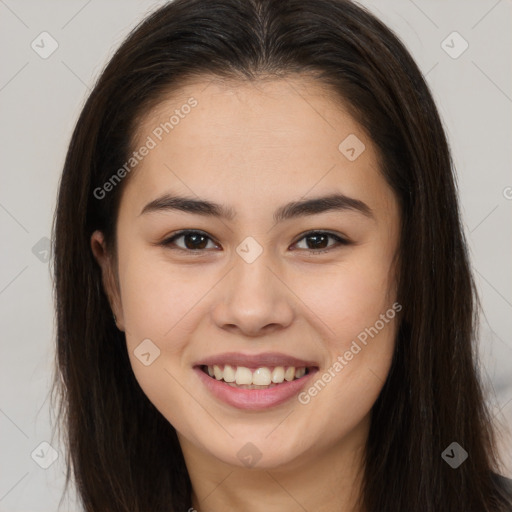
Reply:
x=110, y=285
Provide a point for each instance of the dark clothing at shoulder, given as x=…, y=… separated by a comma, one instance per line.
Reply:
x=505, y=485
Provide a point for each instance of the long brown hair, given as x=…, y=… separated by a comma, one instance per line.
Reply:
x=124, y=455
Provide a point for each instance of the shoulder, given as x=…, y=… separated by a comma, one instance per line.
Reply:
x=505, y=486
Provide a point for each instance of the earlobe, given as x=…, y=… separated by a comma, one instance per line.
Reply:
x=110, y=286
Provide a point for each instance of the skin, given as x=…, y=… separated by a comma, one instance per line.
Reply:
x=255, y=147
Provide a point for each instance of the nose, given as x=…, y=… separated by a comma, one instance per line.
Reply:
x=253, y=300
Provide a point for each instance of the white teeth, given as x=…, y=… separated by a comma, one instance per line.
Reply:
x=300, y=372
x=262, y=376
x=217, y=372
x=289, y=374
x=278, y=375
x=229, y=373
x=243, y=375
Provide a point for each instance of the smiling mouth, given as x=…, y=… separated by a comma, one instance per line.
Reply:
x=258, y=378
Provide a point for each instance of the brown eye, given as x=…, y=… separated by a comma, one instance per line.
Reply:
x=318, y=241
x=192, y=241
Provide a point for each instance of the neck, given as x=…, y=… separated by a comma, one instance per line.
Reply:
x=325, y=481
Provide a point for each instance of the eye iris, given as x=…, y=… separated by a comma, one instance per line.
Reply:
x=194, y=237
x=317, y=238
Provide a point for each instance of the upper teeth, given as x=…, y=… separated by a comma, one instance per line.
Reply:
x=261, y=376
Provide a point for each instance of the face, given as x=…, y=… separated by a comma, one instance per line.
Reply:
x=256, y=274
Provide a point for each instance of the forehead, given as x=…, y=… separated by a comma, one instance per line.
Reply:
x=275, y=112
x=268, y=137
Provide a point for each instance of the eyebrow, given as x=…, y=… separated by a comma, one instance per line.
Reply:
x=333, y=202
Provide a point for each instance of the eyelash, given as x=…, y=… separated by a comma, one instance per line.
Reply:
x=168, y=242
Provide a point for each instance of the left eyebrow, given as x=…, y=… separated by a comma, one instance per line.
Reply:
x=333, y=202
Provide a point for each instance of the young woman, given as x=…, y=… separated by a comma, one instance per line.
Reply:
x=263, y=293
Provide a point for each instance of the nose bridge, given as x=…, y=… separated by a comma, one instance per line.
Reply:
x=253, y=298
x=251, y=274
x=251, y=277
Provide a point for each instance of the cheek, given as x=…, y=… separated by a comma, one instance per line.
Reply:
x=359, y=310
x=155, y=295
x=157, y=300
x=355, y=301
x=350, y=296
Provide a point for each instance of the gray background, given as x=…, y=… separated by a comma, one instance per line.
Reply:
x=40, y=100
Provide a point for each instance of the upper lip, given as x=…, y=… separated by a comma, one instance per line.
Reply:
x=269, y=359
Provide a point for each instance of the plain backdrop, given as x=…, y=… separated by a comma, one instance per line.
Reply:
x=40, y=99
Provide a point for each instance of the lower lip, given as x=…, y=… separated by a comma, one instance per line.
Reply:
x=254, y=399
